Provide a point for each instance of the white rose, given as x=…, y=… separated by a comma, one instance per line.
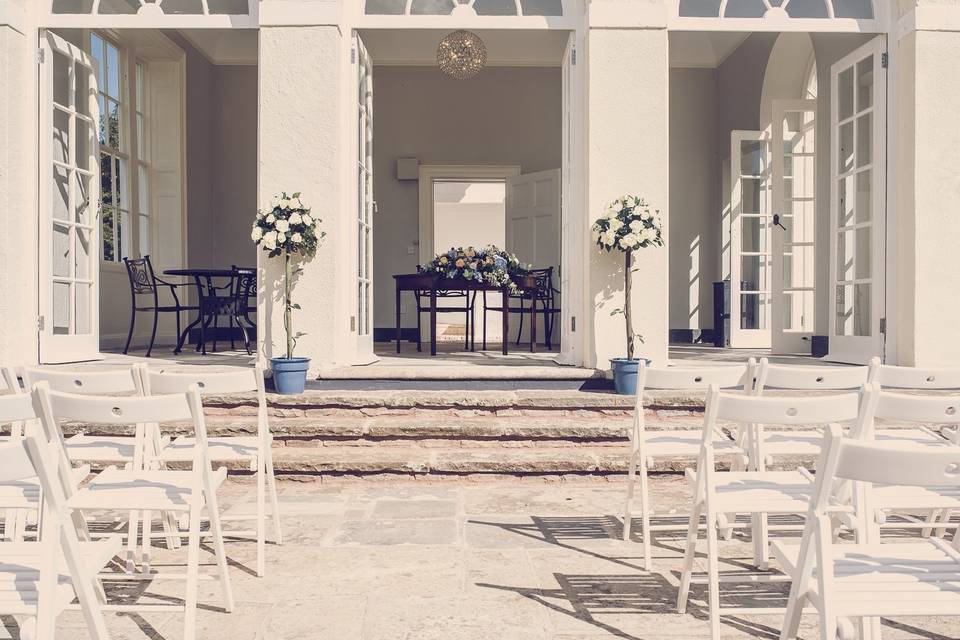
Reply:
x=648, y=235
x=615, y=224
x=645, y=214
x=274, y=202
x=636, y=226
x=608, y=238
x=285, y=203
x=270, y=237
x=256, y=234
x=307, y=219
x=296, y=203
x=283, y=226
x=296, y=218
x=296, y=238
x=629, y=241
x=271, y=219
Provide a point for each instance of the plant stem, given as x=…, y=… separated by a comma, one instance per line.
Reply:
x=287, y=304
x=627, y=297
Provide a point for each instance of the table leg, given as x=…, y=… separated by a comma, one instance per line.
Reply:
x=433, y=321
x=505, y=292
x=398, y=317
x=533, y=325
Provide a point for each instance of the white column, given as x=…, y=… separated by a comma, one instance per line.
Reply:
x=18, y=175
x=301, y=149
x=627, y=142
x=925, y=212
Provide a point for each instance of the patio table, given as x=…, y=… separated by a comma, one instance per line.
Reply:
x=432, y=283
x=209, y=301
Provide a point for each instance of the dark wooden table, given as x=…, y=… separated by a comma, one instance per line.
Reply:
x=432, y=284
x=204, y=279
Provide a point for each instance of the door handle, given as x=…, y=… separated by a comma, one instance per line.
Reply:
x=776, y=221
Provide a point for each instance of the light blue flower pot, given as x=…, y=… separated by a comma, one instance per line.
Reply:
x=625, y=375
x=290, y=374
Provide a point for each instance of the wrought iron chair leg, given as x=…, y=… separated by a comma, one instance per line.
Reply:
x=177, y=335
x=484, y=320
x=133, y=321
x=233, y=345
x=246, y=337
x=153, y=334
x=419, y=330
x=520, y=330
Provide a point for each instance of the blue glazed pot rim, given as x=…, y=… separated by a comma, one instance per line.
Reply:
x=622, y=361
x=294, y=360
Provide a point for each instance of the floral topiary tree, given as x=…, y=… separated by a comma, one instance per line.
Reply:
x=627, y=225
x=287, y=228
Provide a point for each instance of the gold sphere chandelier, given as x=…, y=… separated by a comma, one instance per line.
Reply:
x=461, y=55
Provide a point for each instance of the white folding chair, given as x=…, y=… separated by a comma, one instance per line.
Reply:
x=937, y=380
x=252, y=451
x=718, y=493
x=15, y=519
x=38, y=580
x=107, y=449
x=648, y=446
x=160, y=490
x=937, y=503
x=868, y=580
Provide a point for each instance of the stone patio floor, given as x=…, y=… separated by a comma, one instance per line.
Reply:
x=450, y=559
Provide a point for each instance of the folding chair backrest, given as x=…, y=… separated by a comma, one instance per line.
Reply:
x=902, y=407
x=803, y=378
x=692, y=378
x=235, y=380
x=15, y=408
x=776, y=410
x=914, y=378
x=113, y=382
x=9, y=382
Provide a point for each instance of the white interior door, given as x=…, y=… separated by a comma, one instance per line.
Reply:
x=750, y=241
x=793, y=231
x=858, y=208
x=69, y=203
x=533, y=225
x=365, y=203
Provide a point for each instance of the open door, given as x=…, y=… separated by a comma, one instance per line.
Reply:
x=750, y=241
x=69, y=203
x=858, y=205
x=793, y=229
x=365, y=204
x=533, y=222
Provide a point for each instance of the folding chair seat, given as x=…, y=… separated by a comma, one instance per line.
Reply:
x=131, y=490
x=648, y=446
x=40, y=579
x=717, y=494
x=857, y=584
x=253, y=451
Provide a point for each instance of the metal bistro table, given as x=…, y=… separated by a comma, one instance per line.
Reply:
x=209, y=301
x=431, y=283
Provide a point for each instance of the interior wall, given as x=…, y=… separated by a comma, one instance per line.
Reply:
x=694, y=192
x=504, y=116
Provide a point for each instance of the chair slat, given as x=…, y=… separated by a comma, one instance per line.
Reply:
x=15, y=464
x=787, y=411
x=885, y=464
x=123, y=410
x=903, y=407
x=116, y=381
x=803, y=378
x=893, y=377
x=234, y=380
x=685, y=378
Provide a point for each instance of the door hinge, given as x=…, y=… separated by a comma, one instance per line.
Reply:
x=883, y=326
x=573, y=57
x=41, y=323
x=885, y=59
x=573, y=324
x=353, y=55
x=41, y=55
x=353, y=324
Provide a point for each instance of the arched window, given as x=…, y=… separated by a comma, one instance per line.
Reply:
x=151, y=7
x=464, y=7
x=823, y=9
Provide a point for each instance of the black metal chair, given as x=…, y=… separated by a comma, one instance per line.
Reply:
x=244, y=290
x=543, y=297
x=144, y=282
x=466, y=308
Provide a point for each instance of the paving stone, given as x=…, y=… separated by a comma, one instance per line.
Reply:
x=414, y=509
x=397, y=532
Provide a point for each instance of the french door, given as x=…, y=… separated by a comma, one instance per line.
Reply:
x=69, y=203
x=365, y=202
x=858, y=204
x=793, y=226
x=750, y=241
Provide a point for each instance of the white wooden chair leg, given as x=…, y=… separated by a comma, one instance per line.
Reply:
x=146, y=541
x=645, y=515
x=628, y=506
x=693, y=532
x=172, y=536
x=945, y=520
x=761, y=540
x=220, y=549
x=8, y=516
x=713, y=576
x=132, y=529
x=274, y=501
x=193, y=571
x=261, y=517
x=932, y=519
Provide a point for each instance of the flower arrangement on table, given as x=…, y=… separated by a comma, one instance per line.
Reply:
x=628, y=224
x=490, y=265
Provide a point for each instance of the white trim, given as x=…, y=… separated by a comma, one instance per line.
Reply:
x=314, y=13
x=619, y=15
x=429, y=173
x=13, y=16
x=177, y=21
x=928, y=18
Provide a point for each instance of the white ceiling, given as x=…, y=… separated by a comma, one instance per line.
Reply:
x=702, y=50
x=225, y=46
x=505, y=48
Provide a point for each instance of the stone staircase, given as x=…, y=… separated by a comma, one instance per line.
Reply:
x=449, y=433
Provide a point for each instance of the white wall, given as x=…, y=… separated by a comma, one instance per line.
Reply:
x=504, y=116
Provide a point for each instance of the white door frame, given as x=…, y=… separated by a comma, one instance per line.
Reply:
x=70, y=346
x=745, y=338
x=859, y=348
x=467, y=173
x=365, y=207
x=793, y=340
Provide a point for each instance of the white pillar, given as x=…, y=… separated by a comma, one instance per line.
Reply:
x=924, y=239
x=301, y=149
x=18, y=206
x=627, y=142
